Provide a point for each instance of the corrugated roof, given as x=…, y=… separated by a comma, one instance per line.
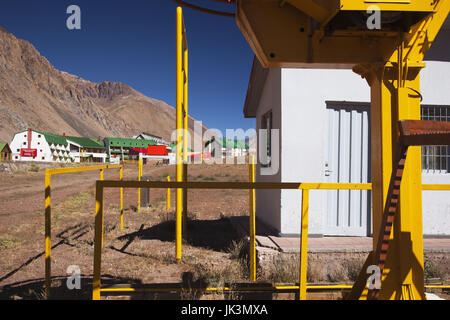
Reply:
x=130, y=143
x=53, y=138
x=228, y=143
x=173, y=146
x=91, y=143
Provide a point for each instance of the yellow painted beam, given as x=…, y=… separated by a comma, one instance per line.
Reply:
x=81, y=169
x=48, y=236
x=168, y=196
x=311, y=8
x=304, y=243
x=48, y=211
x=179, y=129
x=235, y=185
x=121, y=199
x=252, y=221
x=96, y=282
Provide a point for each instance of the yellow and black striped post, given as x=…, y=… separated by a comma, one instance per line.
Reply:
x=48, y=243
x=252, y=222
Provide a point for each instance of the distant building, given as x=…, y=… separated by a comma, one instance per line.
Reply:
x=31, y=145
x=87, y=149
x=119, y=148
x=148, y=136
x=219, y=147
x=5, y=152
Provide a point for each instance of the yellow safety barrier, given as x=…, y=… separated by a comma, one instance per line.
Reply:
x=305, y=187
x=48, y=210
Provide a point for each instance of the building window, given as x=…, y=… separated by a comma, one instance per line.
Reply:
x=436, y=158
x=266, y=125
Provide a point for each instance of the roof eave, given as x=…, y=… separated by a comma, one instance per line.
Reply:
x=256, y=84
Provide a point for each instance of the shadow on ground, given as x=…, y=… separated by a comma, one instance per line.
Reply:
x=216, y=235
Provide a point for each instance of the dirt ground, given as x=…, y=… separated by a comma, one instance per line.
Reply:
x=143, y=252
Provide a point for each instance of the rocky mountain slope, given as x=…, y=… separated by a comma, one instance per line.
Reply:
x=33, y=94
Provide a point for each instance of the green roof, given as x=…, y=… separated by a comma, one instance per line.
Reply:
x=2, y=145
x=228, y=143
x=53, y=138
x=91, y=143
x=130, y=143
x=174, y=145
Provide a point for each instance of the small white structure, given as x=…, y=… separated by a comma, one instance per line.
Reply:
x=324, y=126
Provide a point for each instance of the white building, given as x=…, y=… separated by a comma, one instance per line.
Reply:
x=87, y=149
x=227, y=148
x=323, y=121
x=148, y=136
x=31, y=145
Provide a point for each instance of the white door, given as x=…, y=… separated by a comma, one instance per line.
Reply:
x=347, y=157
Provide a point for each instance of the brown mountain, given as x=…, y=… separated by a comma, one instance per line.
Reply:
x=33, y=94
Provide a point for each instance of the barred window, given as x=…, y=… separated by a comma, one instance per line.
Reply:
x=436, y=158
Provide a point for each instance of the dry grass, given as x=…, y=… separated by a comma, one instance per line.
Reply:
x=9, y=243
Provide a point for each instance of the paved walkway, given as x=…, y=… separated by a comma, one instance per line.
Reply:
x=265, y=238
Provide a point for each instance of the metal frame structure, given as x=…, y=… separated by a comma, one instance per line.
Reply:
x=251, y=186
x=305, y=187
x=392, y=72
x=48, y=210
x=325, y=35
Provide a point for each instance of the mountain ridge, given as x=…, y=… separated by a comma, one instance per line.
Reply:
x=34, y=94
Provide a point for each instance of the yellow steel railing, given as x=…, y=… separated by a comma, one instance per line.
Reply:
x=252, y=186
x=305, y=187
x=48, y=210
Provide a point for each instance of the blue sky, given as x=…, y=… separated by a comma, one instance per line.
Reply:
x=133, y=42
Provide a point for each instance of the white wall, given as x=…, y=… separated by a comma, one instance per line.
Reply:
x=435, y=86
x=268, y=201
x=37, y=142
x=302, y=120
x=304, y=92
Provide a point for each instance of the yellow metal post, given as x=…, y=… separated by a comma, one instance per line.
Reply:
x=48, y=243
x=139, y=189
x=121, y=199
x=179, y=128
x=252, y=228
x=48, y=211
x=98, y=242
x=304, y=243
x=185, y=128
x=391, y=101
x=185, y=198
x=168, y=196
